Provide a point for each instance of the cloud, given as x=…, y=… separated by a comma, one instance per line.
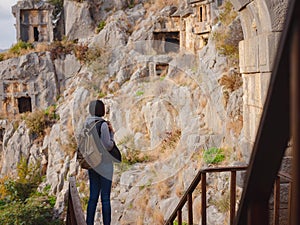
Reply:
x=7, y=21
x=8, y=36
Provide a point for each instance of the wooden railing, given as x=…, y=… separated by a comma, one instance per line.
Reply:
x=201, y=177
x=75, y=215
x=188, y=196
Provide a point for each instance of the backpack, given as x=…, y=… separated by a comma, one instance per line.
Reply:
x=89, y=146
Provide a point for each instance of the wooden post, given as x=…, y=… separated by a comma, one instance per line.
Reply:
x=232, y=196
x=203, y=197
x=276, y=201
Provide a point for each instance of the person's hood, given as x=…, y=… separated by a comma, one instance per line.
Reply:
x=91, y=119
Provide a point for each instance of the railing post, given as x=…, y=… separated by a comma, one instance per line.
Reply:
x=276, y=201
x=179, y=217
x=190, y=208
x=232, y=196
x=187, y=198
x=203, y=197
x=290, y=202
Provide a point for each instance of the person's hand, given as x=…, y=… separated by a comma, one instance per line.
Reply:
x=110, y=128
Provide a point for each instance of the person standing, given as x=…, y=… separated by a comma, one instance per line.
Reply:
x=100, y=178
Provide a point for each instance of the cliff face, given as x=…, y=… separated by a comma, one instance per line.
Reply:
x=167, y=109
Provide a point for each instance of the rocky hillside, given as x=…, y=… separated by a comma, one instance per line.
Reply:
x=167, y=109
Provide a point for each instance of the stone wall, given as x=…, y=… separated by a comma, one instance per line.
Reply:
x=262, y=23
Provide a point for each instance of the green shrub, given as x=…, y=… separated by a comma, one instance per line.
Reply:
x=134, y=156
x=131, y=4
x=176, y=223
x=1, y=57
x=21, y=188
x=20, y=203
x=19, y=46
x=50, y=112
x=36, y=122
x=100, y=26
x=229, y=34
x=213, y=155
x=35, y=210
x=139, y=93
x=101, y=95
x=228, y=14
x=39, y=120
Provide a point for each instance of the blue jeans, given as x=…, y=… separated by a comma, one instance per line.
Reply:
x=99, y=185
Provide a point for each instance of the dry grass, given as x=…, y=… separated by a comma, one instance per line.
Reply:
x=223, y=203
x=235, y=126
x=156, y=5
x=197, y=209
x=141, y=201
x=23, y=48
x=163, y=190
x=140, y=220
x=158, y=217
x=183, y=79
x=179, y=186
x=159, y=4
x=42, y=47
x=20, y=48
x=70, y=147
x=56, y=48
x=168, y=144
x=231, y=81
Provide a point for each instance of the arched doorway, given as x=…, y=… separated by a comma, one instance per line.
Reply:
x=262, y=24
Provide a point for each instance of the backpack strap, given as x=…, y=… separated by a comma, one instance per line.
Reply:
x=99, y=128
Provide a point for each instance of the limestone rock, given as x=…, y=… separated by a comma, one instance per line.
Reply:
x=35, y=77
x=66, y=69
x=16, y=144
x=113, y=34
x=78, y=20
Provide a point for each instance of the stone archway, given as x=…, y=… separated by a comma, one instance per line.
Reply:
x=262, y=22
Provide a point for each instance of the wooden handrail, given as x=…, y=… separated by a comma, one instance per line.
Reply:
x=75, y=215
x=201, y=176
x=187, y=197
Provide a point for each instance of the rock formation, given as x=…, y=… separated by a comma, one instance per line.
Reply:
x=167, y=109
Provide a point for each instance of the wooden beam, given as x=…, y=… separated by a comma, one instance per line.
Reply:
x=295, y=109
x=77, y=214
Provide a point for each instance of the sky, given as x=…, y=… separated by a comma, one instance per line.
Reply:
x=7, y=21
